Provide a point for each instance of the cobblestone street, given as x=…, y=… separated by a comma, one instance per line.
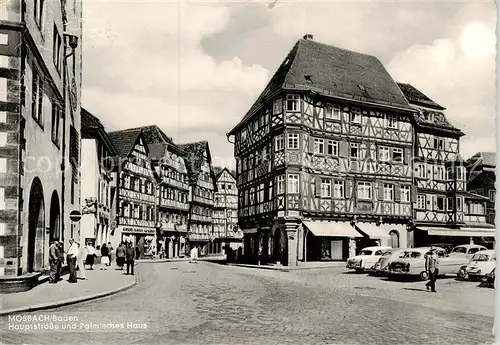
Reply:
x=182, y=303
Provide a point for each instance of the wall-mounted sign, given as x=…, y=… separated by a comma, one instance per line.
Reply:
x=135, y=230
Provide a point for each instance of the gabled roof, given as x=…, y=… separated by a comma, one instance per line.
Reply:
x=332, y=72
x=438, y=122
x=193, y=154
x=414, y=96
x=91, y=127
x=488, y=159
x=125, y=140
x=218, y=171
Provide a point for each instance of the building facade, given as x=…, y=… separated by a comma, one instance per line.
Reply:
x=201, y=193
x=135, y=183
x=98, y=192
x=324, y=163
x=443, y=206
x=40, y=87
x=172, y=192
x=225, y=214
x=481, y=179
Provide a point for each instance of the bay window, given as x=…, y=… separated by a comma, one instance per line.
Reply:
x=293, y=103
x=293, y=184
x=293, y=141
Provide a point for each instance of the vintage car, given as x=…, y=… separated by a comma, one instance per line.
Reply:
x=466, y=250
x=489, y=279
x=413, y=263
x=381, y=267
x=366, y=258
x=446, y=246
x=482, y=263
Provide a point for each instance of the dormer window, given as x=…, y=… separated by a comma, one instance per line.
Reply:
x=428, y=116
x=392, y=121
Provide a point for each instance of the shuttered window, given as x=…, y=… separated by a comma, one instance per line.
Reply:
x=338, y=189
x=364, y=190
x=326, y=188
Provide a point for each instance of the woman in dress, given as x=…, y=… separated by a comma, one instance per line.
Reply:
x=104, y=256
x=91, y=254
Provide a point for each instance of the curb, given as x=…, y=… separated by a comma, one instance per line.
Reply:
x=70, y=301
x=283, y=269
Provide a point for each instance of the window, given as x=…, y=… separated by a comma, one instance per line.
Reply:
x=459, y=203
x=397, y=155
x=405, y=193
x=39, y=12
x=421, y=201
x=319, y=146
x=438, y=144
x=332, y=148
x=56, y=116
x=56, y=49
x=394, y=238
x=332, y=112
x=364, y=190
x=392, y=121
x=292, y=103
x=3, y=165
x=37, y=92
x=491, y=195
x=354, y=150
x=277, y=106
x=476, y=208
x=420, y=170
x=338, y=189
x=449, y=204
x=384, y=154
x=326, y=188
x=355, y=115
x=439, y=173
x=388, y=192
x=439, y=203
x=293, y=141
x=293, y=183
x=460, y=173
x=281, y=185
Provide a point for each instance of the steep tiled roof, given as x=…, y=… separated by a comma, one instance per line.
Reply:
x=124, y=140
x=437, y=121
x=219, y=170
x=89, y=121
x=413, y=95
x=193, y=153
x=91, y=127
x=333, y=72
x=483, y=158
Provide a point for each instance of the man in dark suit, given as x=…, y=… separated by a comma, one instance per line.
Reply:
x=130, y=256
x=432, y=267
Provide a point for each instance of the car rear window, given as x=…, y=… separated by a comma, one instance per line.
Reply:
x=459, y=250
x=412, y=255
x=366, y=252
x=480, y=257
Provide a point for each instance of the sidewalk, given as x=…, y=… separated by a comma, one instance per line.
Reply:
x=99, y=283
x=205, y=258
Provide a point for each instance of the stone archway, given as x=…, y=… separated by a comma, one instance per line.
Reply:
x=394, y=234
x=54, y=218
x=36, y=226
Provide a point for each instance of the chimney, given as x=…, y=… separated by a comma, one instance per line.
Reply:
x=308, y=37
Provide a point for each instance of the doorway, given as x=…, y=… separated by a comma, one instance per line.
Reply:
x=36, y=227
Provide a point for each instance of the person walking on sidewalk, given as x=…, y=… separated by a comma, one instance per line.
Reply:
x=91, y=255
x=71, y=258
x=82, y=255
x=111, y=249
x=53, y=260
x=130, y=255
x=60, y=261
x=120, y=255
x=104, y=256
x=432, y=267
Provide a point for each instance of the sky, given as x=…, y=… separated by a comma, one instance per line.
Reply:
x=194, y=68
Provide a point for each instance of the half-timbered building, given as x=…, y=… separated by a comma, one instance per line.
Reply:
x=481, y=180
x=136, y=185
x=323, y=158
x=172, y=192
x=442, y=204
x=225, y=214
x=201, y=193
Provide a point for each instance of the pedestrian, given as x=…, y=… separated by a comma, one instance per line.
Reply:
x=82, y=255
x=120, y=255
x=91, y=255
x=432, y=268
x=130, y=256
x=71, y=259
x=110, y=248
x=60, y=262
x=53, y=261
x=104, y=256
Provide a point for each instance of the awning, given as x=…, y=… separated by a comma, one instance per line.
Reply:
x=372, y=230
x=464, y=232
x=250, y=231
x=332, y=229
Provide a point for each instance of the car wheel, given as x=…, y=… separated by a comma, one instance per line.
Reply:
x=424, y=275
x=462, y=273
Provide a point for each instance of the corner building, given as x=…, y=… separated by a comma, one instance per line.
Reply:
x=323, y=159
x=40, y=82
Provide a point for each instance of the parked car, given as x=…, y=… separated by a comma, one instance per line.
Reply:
x=366, y=258
x=489, y=279
x=482, y=263
x=381, y=267
x=446, y=246
x=413, y=263
x=467, y=250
